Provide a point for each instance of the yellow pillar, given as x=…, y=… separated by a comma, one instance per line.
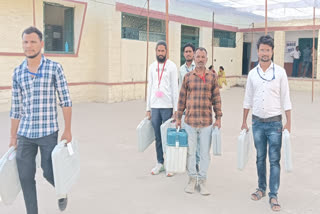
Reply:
x=279, y=47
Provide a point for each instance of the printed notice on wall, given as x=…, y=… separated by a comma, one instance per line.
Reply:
x=290, y=46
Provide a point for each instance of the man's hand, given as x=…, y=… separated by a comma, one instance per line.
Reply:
x=217, y=123
x=66, y=136
x=178, y=123
x=288, y=127
x=244, y=126
x=174, y=116
x=148, y=115
x=13, y=141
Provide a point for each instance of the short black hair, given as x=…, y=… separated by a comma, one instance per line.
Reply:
x=189, y=45
x=266, y=40
x=30, y=30
x=210, y=67
x=221, y=67
x=161, y=42
x=201, y=49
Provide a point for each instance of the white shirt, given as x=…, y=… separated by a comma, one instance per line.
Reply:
x=295, y=54
x=267, y=98
x=184, y=69
x=168, y=86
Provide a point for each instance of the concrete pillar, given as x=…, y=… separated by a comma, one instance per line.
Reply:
x=279, y=47
x=239, y=54
x=175, y=42
x=317, y=68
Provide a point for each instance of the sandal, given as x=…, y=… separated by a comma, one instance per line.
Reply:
x=256, y=196
x=274, y=205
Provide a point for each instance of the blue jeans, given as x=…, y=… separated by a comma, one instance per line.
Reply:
x=203, y=144
x=295, y=67
x=159, y=116
x=305, y=67
x=26, y=154
x=264, y=134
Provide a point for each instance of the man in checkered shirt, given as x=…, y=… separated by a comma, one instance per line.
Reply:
x=199, y=95
x=34, y=115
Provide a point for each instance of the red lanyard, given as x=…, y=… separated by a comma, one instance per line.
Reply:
x=203, y=77
x=159, y=78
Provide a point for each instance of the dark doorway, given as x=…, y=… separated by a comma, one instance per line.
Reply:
x=246, y=58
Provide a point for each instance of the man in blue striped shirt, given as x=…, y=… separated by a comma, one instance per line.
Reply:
x=34, y=115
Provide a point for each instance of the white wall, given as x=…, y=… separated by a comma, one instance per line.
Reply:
x=294, y=36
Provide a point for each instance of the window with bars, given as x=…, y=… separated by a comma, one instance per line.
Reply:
x=225, y=39
x=135, y=27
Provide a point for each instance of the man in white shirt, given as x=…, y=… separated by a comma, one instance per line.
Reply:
x=296, y=54
x=189, y=65
x=162, y=97
x=267, y=94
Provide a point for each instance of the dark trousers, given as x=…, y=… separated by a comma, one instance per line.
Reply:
x=26, y=154
x=159, y=116
x=295, y=69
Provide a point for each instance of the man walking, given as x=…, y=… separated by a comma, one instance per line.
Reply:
x=162, y=97
x=34, y=115
x=296, y=54
x=199, y=93
x=267, y=94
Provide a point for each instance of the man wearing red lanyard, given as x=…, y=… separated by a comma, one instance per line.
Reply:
x=162, y=97
x=199, y=94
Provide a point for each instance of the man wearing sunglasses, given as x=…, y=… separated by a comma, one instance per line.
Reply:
x=267, y=94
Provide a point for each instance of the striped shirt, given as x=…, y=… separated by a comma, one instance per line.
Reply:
x=198, y=97
x=34, y=98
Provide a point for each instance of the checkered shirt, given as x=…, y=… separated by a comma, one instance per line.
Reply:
x=198, y=98
x=34, y=100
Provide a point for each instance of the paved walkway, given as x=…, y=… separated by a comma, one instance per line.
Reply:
x=115, y=178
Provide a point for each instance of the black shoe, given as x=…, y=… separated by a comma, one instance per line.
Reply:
x=62, y=203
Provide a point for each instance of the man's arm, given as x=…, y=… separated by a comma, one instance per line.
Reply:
x=247, y=103
x=149, y=89
x=13, y=132
x=67, y=112
x=216, y=103
x=285, y=100
x=244, y=119
x=288, y=124
x=61, y=86
x=181, y=102
x=15, y=112
x=175, y=90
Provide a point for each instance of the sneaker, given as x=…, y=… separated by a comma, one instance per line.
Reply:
x=62, y=203
x=157, y=169
x=191, y=185
x=203, y=188
x=169, y=174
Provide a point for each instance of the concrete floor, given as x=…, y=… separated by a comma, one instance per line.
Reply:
x=116, y=179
